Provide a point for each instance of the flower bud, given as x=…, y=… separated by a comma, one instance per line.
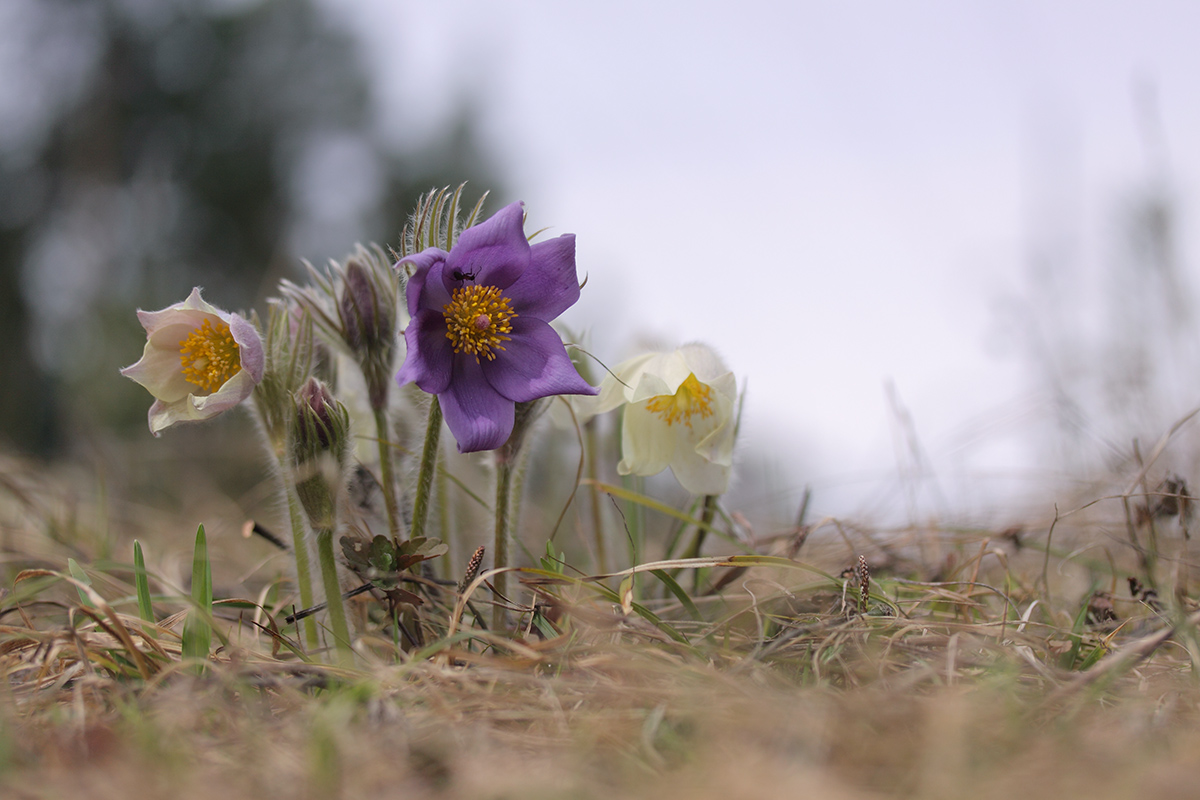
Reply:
x=359, y=308
x=322, y=424
x=319, y=440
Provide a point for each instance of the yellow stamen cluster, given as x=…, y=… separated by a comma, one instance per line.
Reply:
x=691, y=399
x=209, y=356
x=477, y=317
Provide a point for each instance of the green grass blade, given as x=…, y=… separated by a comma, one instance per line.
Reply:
x=197, y=632
x=141, y=584
x=1070, y=659
x=679, y=592
x=78, y=574
x=641, y=500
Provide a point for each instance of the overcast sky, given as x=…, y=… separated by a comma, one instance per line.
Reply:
x=834, y=195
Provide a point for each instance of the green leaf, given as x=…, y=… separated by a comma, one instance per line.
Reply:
x=197, y=630
x=382, y=556
x=1070, y=659
x=78, y=574
x=552, y=561
x=679, y=592
x=141, y=584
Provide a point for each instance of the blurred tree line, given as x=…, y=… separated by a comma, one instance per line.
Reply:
x=147, y=146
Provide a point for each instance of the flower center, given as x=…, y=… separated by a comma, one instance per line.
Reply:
x=691, y=399
x=209, y=356
x=477, y=317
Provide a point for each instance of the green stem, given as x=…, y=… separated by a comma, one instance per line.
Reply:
x=504, y=476
x=333, y=596
x=303, y=568
x=706, y=518
x=433, y=432
x=444, y=523
x=387, y=475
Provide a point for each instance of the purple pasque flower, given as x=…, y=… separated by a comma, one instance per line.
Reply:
x=480, y=336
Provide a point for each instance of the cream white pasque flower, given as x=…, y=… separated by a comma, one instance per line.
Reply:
x=198, y=361
x=678, y=413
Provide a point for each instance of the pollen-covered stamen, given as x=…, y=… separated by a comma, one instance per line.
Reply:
x=477, y=317
x=691, y=399
x=209, y=356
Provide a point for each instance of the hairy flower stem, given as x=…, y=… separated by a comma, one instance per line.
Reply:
x=592, y=443
x=429, y=454
x=706, y=518
x=387, y=475
x=303, y=569
x=333, y=596
x=276, y=446
x=444, y=523
x=505, y=467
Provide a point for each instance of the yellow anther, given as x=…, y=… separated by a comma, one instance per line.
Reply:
x=691, y=399
x=477, y=317
x=209, y=356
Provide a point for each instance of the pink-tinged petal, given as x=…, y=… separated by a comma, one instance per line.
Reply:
x=534, y=364
x=429, y=359
x=232, y=392
x=496, y=252
x=425, y=267
x=550, y=285
x=192, y=312
x=195, y=302
x=191, y=408
x=250, y=346
x=479, y=417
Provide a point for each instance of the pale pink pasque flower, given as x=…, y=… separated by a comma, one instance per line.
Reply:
x=198, y=361
x=480, y=336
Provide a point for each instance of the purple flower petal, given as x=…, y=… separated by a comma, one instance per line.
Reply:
x=496, y=252
x=534, y=364
x=550, y=285
x=424, y=289
x=430, y=355
x=539, y=282
x=479, y=417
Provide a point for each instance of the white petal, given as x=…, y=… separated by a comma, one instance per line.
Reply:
x=647, y=445
x=699, y=476
x=714, y=440
x=703, y=361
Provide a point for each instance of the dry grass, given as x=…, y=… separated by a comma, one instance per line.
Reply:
x=976, y=664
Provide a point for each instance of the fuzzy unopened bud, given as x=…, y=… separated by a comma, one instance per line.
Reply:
x=320, y=437
x=322, y=424
x=359, y=307
x=367, y=308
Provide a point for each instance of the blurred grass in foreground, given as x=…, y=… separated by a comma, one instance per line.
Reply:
x=981, y=661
